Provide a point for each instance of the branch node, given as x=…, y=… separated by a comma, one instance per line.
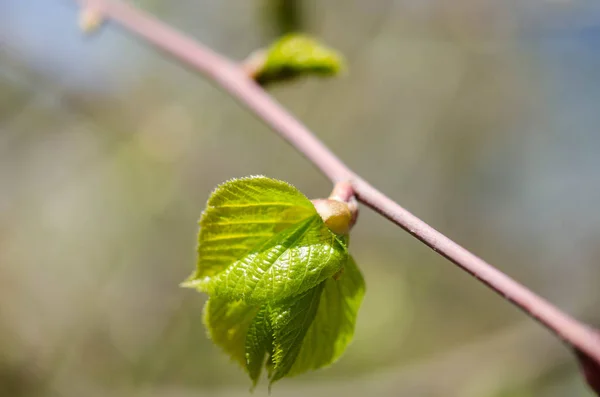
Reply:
x=254, y=63
x=344, y=192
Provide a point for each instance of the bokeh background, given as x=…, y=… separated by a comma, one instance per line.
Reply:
x=480, y=116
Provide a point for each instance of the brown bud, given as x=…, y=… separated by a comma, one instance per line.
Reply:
x=336, y=215
x=344, y=192
x=90, y=19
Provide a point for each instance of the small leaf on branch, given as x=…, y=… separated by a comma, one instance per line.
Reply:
x=293, y=56
x=283, y=291
x=293, y=261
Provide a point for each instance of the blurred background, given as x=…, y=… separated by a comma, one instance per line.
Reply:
x=479, y=116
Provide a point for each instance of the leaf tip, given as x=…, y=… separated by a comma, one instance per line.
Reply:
x=194, y=282
x=189, y=284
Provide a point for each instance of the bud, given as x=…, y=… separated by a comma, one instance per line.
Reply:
x=90, y=19
x=344, y=192
x=336, y=215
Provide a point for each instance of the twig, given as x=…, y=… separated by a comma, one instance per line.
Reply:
x=232, y=78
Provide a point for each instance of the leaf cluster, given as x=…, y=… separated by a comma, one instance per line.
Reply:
x=283, y=291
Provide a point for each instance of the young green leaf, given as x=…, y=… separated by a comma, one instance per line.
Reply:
x=296, y=55
x=283, y=292
x=259, y=343
x=242, y=213
x=291, y=321
x=309, y=331
x=227, y=324
x=333, y=328
x=261, y=240
x=290, y=263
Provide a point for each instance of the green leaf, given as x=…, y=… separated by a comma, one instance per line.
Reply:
x=290, y=322
x=333, y=328
x=306, y=332
x=227, y=324
x=259, y=343
x=296, y=55
x=283, y=292
x=290, y=263
x=243, y=213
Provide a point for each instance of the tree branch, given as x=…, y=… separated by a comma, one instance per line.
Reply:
x=232, y=78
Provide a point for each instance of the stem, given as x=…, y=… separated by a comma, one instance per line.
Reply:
x=231, y=77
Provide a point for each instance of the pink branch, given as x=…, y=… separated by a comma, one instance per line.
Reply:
x=232, y=78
